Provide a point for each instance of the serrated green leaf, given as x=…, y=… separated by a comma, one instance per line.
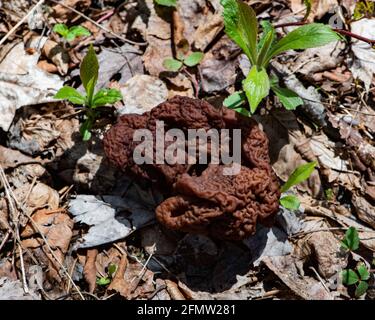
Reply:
x=167, y=3
x=363, y=272
x=70, y=94
x=89, y=72
x=268, y=39
x=106, y=96
x=172, y=64
x=194, y=59
x=361, y=289
x=307, y=36
x=351, y=239
x=103, y=281
x=349, y=277
x=241, y=26
x=290, y=202
x=235, y=100
x=300, y=174
x=256, y=86
x=61, y=29
x=289, y=99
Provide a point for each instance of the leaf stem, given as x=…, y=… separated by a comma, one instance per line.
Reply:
x=340, y=31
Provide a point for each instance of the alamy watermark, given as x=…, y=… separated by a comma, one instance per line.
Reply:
x=198, y=146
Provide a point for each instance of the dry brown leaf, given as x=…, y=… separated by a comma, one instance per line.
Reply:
x=89, y=270
x=174, y=291
x=306, y=287
x=119, y=284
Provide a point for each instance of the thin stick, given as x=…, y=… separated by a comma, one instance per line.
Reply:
x=11, y=31
x=99, y=25
x=25, y=287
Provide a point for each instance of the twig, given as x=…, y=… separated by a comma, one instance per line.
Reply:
x=25, y=287
x=11, y=31
x=98, y=25
x=12, y=204
x=340, y=31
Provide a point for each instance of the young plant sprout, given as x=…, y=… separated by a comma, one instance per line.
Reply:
x=191, y=60
x=242, y=27
x=89, y=73
x=70, y=34
x=299, y=175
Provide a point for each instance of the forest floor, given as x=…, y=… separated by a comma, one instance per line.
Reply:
x=72, y=226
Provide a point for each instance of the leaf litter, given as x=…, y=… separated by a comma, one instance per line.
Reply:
x=71, y=216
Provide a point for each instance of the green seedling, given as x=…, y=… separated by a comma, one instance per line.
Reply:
x=242, y=27
x=357, y=277
x=191, y=60
x=70, y=34
x=89, y=72
x=104, y=281
x=351, y=240
x=361, y=274
x=166, y=3
x=299, y=175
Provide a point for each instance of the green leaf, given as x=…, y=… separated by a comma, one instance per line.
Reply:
x=289, y=99
x=103, y=281
x=167, y=3
x=351, y=239
x=300, y=174
x=172, y=64
x=268, y=39
x=243, y=111
x=77, y=31
x=363, y=272
x=111, y=270
x=85, y=129
x=235, y=100
x=267, y=27
x=241, y=26
x=70, y=94
x=89, y=73
x=256, y=86
x=308, y=9
x=61, y=29
x=106, y=96
x=349, y=277
x=290, y=202
x=194, y=59
x=361, y=289
x=249, y=27
x=308, y=36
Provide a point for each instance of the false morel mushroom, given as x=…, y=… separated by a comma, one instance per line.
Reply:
x=202, y=198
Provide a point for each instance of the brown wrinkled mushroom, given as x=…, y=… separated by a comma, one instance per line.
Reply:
x=203, y=199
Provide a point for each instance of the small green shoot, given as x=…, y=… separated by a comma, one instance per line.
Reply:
x=176, y=65
x=299, y=175
x=358, y=277
x=104, y=281
x=242, y=27
x=351, y=240
x=89, y=72
x=69, y=34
